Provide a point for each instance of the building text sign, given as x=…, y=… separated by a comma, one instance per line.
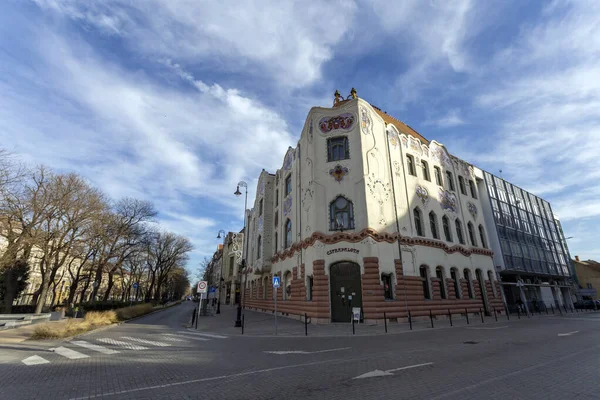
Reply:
x=343, y=250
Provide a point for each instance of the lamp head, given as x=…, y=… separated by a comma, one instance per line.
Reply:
x=237, y=191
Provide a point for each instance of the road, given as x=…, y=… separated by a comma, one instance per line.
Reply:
x=156, y=357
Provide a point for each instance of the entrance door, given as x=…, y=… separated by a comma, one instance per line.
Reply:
x=344, y=279
x=479, y=275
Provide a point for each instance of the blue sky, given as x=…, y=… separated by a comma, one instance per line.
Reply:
x=177, y=100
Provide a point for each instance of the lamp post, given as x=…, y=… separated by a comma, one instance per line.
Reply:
x=220, y=273
x=238, y=320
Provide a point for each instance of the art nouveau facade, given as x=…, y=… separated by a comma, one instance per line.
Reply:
x=365, y=211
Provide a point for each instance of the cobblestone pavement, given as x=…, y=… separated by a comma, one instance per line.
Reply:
x=159, y=357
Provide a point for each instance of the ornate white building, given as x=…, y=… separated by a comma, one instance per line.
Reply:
x=365, y=212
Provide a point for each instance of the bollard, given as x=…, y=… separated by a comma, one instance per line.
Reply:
x=565, y=307
x=243, y=321
x=305, y=324
x=495, y=314
x=431, y=317
x=450, y=316
x=539, y=310
x=559, y=310
x=410, y=320
x=507, y=313
x=576, y=310
x=385, y=321
x=571, y=309
x=518, y=312
x=353, y=324
x=552, y=305
x=546, y=309
x=194, y=316
x=481, y=313
x=467, y=315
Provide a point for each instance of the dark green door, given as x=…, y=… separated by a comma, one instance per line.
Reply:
x=345, y=289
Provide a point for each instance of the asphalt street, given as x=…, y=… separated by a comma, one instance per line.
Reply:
x=158, y=357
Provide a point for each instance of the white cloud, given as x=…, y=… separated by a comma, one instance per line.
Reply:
x=451, y=119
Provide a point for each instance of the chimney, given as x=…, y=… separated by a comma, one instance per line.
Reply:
x=577, y=258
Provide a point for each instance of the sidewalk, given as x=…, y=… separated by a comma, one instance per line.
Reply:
x=263, y=324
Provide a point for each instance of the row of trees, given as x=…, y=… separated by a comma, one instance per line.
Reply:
x=57, y=227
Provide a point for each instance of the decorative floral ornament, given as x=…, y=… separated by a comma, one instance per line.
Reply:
x=338, y=172
x=289, y=158
x=472, y=209
x=365, y=120
x=393, y=137
x=259, y=227
x=422, y=194
x=447, y=200
x=343, y=121
x=287, y=206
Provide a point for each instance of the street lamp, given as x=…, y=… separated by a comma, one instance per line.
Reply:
x=238, y=320
x=220, y=274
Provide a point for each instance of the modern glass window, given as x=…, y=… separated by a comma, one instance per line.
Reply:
x=439, y=273
x=438, y=176
x=418, y=221
x=447, y=230
x=482, y=236
x=461, y=183
x=450, y=181
x=425, y=168
x=472, y=234
x=410, y=163
x=288, y=233
x=433, y=224
x=288, y=184
x=337, y=149
x=258, y=247
x=425, y=280
x=454, y=276
x=473, y=190
x=341, y=215
x=388, y=292
x=467, y=275
x=459, y=232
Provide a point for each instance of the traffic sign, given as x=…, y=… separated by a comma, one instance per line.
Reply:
x=202, y=286
x=135, y=285
x=276, y=282
x=212, y=289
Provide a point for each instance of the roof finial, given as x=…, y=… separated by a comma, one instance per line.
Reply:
x=338, y=96
x=353, y=93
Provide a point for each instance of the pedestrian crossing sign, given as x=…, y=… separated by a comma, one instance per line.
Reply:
x=276, y=282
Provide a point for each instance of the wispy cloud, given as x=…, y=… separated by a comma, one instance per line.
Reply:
x=452, y=118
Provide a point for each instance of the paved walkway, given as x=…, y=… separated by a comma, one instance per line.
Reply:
x=263, y=324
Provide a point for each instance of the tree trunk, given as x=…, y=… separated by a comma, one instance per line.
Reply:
x=97, y=278
x=43, y=293
x=72, y=290
x=10, y=290
x=110, y=285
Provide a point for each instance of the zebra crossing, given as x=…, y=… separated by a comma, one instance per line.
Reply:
x=82, y=349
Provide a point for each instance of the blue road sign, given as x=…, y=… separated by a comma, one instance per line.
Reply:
x=135, y=285
x=276, y=282
x=212, y=289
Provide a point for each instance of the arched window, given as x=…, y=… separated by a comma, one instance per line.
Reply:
x=450, y=180
x=461, y=184
x=447, y=231
x=425, y=168
x=287, y=286
x=438, y=176
x=491, y=279
x=410, y=162
x=337, y=149
x=288, y=233
x=459, y=232
x=467, y=275
x=418, y=221
x=288, y=185
x=433, y=224
x=341, y=214
x=276, y=219
x=473, y=190
x=423, y=271
x=457, y=289
x=472, y=234
x=388, y=292
x=482, y=236
x=258, y=247
x=439, y=273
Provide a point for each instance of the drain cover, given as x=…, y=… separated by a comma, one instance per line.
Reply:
x=470, y=342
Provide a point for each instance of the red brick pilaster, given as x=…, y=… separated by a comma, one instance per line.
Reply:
x=372, y=291
x=450, y=288
x=435, y=288
x=320, y=291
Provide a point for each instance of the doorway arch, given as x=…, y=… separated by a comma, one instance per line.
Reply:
x=345, y=289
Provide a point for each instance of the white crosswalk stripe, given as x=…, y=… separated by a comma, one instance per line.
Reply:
x=152, y=342
x=120, y=343
x=187, y=337
x=94, y=347
x=210, y=335
x=34, y=360
x=69, y=353
x=172, y=339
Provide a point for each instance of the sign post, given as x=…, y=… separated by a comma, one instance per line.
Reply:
x=276, y=284
x=202, y=289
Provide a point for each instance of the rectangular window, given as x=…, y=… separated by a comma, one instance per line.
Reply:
x=450, y=181
x=410, y=163
x=473, y=190
x=337, y=149
x=425, y=168
x=288, y=185
x=309, y=288
x=231, y=262
x=260, y=207
x=438, y=176
x=275, y=242
x=388, y=293
x=461, y=183
x=276, y=197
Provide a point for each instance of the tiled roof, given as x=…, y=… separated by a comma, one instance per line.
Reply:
x=402, y=127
